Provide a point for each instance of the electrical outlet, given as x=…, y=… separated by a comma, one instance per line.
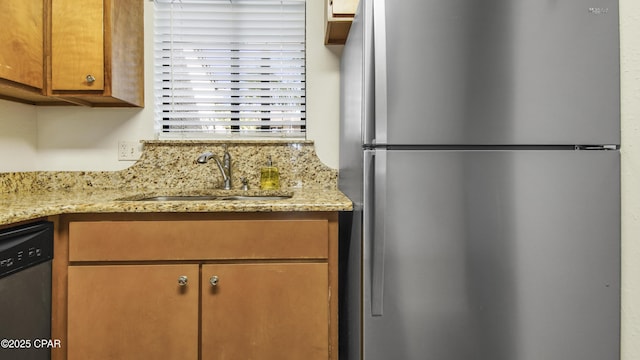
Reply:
x=129, y=150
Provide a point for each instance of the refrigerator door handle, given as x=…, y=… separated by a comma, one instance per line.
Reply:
x=380, y=70
x=374, y=226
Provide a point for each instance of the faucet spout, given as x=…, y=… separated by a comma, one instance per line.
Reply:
x=225, y=169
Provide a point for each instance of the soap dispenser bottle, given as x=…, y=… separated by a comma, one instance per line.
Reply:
x=269, y=177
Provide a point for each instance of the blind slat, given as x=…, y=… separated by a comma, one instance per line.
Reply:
x=230, y=66
x=246, y=95
x=226, y=119
x=204, y=45
x=188, y=65
x=182, y=111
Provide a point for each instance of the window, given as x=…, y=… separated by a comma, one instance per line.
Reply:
x=229, y=67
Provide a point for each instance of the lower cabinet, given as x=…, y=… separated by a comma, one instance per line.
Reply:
x=233, y=287
x=265, y=311
x=132, y=312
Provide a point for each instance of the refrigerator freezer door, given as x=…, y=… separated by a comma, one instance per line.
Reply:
x=500, y=255
x=498, y=72
x=356, y=85
x=354, y=89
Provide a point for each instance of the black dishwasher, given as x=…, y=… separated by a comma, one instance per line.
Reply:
x=26, y=253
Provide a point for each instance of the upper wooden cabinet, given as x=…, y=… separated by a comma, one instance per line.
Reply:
x=97, y=52
x=338, y=17
x=77, y=45
x=87, y=52
x=22, y=54
x=21, y=50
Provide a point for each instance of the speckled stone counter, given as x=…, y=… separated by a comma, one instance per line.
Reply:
x=169, y=168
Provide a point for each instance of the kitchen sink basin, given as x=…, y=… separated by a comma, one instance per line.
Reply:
x=180, y=198
x=256, y=197
x=260, y=197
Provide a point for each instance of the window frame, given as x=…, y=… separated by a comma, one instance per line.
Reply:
x=266, y=123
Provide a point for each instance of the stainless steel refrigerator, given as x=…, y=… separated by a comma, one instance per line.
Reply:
x=480, y=146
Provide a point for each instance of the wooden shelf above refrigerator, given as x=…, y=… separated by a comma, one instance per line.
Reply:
x=338, y=15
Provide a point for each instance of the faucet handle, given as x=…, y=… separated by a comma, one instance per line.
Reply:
x=204, y=157
x=245, y=183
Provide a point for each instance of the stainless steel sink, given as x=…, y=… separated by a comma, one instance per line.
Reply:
x=180, y=198
x=256, y=197
x=209, y=197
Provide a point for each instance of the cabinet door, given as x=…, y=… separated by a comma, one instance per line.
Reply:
x=21, y=42
x=77, y=50
x=132, y=312
x=265, y=311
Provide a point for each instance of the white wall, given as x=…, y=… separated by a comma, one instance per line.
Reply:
x=77, y=138
x=18, y=137
x=630, y=86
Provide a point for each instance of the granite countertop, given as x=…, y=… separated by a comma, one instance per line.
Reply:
x=23, y=207
x=167, y=168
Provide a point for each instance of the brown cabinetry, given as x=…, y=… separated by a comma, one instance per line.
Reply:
x=265, y=311
x=196, y=286
x=22, y=50
x=88, y=52
x=132, y=312
x=338, y=17
x=97, y=52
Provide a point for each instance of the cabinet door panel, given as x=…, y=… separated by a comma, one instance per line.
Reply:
x=77, y=38
x=132, y=312
x=21, y=42
x=265, y=311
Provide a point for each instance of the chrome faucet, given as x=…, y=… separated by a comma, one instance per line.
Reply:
x=224, y=166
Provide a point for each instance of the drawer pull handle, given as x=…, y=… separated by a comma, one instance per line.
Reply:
x=214, y=280
x=90, y=79
x=182, y=280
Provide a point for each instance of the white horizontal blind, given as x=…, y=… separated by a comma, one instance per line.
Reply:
x=230, y=67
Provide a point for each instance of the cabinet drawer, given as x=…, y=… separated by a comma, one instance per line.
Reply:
x=198, y=240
